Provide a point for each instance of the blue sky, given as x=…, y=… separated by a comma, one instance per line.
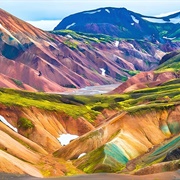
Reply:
x=31, y=10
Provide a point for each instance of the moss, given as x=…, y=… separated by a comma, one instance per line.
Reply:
x=103, y=159
x=18, y=82
x=161, y=97
x=121, y=78
x=25, y=123
x=172, y=64
x=71, y=44
x=46, y=173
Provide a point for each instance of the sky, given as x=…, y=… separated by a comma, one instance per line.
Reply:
x=38, y=10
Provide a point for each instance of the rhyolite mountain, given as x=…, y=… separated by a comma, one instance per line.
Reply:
x=120, y=22
x=167, y=71
x=35, y=60
x=133, y=133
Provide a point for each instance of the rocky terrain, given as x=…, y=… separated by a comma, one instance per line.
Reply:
x=35, y=60
x=166, y=71
x=132, y=131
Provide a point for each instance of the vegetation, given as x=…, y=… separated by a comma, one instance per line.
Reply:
x=71, y=44
x=173, y=64
x=164, y=96
x=25, y=123
x=86, y=37
x=18, y=82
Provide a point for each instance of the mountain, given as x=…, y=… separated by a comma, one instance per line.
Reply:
x=133, y=130
x=56, y=61
x=122, y=23
x=131, y=133
x=167, y=71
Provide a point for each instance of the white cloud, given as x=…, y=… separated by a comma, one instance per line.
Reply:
x=47, y=25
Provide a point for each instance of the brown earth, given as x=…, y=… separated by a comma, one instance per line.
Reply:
x=30, y=151
x=144, y=80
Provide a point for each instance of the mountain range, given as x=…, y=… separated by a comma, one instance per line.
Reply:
x=132, y=130
x=58, y=61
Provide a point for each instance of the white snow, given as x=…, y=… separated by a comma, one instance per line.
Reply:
x=81, y=155
x=65, y=139
x=7, y=124
x=175, y=20
x=103, y=71
x=69, y=36
x=134, y=19
x=169, y=38
x=67, y=27
x=116, y=43
x=92, y=12
x=107, y=10
x=154, y=20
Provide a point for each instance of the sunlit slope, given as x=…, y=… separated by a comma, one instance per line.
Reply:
x=113, y=129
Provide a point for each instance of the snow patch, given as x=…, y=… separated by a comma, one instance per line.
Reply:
x=92, y=12
x=103, y=71
x=65, y=139
x=169, y=38
x=154, y=20
x=107, y=10
x=134, y=19
x=81, y=155
x=116, y=44
x=69, y=36
x=67, y=27
x=3, y=120
x=175, y=20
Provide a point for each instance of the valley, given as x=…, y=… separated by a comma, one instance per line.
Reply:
x=94, y=98
x=92, y=90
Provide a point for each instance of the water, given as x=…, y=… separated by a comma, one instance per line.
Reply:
x=92, y=90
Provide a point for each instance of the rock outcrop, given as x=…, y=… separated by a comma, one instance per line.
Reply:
x=121, y=139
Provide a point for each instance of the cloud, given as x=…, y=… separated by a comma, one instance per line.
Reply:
x=31, y=10
x=46, y=25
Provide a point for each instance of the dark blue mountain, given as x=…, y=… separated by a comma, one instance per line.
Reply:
x=120, y=22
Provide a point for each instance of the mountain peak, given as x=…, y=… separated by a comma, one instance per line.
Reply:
x=119, y=22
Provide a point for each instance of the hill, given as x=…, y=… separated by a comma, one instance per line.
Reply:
x=167, y=71
x=125, y=133
x=56, y=61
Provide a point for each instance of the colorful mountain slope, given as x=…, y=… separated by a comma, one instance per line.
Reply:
x=120, y=130
x=168, y=70
x=36, y=60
